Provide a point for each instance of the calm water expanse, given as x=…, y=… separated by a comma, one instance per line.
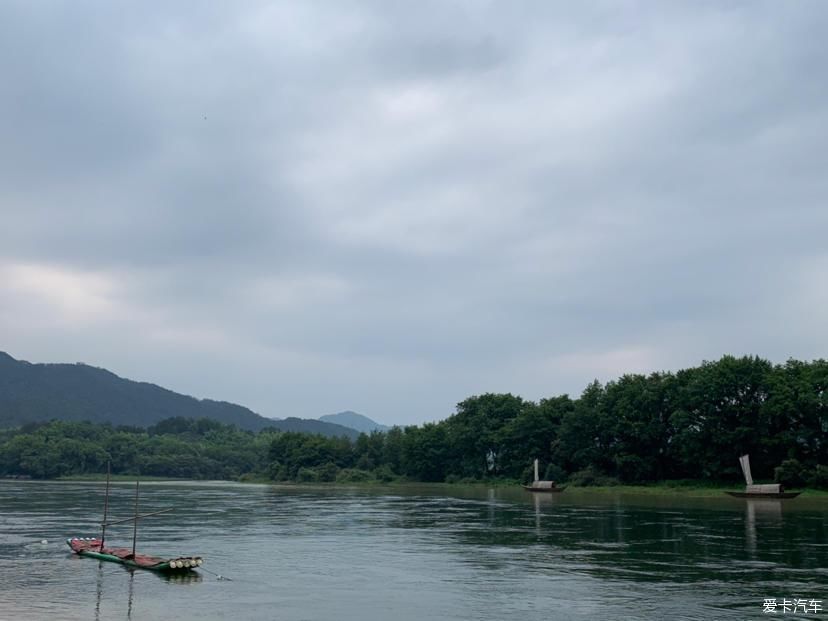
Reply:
x=412, y=554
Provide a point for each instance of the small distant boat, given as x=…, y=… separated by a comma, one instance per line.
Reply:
x=548, y=487
x=95, y=548
x=771, y=490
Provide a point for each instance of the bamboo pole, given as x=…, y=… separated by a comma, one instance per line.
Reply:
x=106, y=503
x=137, y=517
x=135, y=526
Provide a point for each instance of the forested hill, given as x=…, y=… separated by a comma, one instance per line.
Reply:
x=79, y=392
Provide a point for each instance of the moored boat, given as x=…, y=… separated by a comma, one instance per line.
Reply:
x=96, y=548
x=91, y=547
x=548, y=487
x=779, y=495
x=767, y=490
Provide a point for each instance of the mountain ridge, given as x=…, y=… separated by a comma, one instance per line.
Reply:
x=37, y=392
x=354, y=420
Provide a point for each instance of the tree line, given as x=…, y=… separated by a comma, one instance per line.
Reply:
x=688, y=425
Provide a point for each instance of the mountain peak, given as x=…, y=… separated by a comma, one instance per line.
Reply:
x=4, y=357
x=354, y=420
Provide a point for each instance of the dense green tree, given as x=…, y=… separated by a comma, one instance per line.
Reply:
x=719, y=417
x=392, y=449
x=796, y=413
x=530, y=435
x=582, y=441
x=425, y=452
x=368, y=450
x=473, y=433
x=636, y=412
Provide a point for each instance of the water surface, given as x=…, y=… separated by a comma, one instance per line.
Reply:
x=410, y=554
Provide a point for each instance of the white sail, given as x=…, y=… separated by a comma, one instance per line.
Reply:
x=744, y=461
x=536, y=470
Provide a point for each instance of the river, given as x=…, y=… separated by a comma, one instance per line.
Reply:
x=412, y=553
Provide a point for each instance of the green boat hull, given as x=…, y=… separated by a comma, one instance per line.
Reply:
x=129, y=563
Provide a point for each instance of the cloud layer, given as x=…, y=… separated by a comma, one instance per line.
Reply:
x=387, y=207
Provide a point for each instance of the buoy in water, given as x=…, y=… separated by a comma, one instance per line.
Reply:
x=44, y=542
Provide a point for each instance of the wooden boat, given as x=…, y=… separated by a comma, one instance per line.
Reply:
x=96, y=548
x=545, y=487
x=91, y=547
x=779, y=495
x=769, y=490
x=551, y=489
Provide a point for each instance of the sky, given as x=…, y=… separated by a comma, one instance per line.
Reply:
x=307, y=207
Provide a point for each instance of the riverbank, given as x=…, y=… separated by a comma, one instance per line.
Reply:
x=664, y=488
x=700, y=490
x=116, y=478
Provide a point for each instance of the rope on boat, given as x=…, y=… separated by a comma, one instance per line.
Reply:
x=218, y=576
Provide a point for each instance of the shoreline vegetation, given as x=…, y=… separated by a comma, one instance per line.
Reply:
x=675, y=431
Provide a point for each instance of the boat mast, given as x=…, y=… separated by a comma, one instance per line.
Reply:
x=135, y=524
x=106, y=503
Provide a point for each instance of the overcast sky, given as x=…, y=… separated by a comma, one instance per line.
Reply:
x=306, y=207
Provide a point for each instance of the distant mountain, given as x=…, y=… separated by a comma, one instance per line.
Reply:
x=354, y=421
x=309, y=425
x=41, y=392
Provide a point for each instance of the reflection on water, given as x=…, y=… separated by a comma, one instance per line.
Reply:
x=99, y=592
x=768, y=510
x=190, y=578
x=411, y=553
x=131, y=593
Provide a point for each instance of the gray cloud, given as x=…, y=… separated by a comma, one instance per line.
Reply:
x=307, y=207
